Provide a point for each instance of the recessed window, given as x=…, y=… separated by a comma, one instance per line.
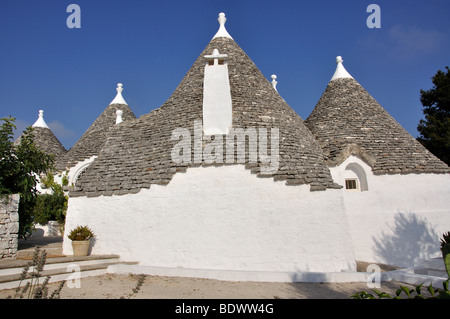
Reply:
x=355, y=178
x=351, y=184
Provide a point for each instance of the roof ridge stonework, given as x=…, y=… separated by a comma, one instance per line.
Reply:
x=138, y=153
x=348, y=120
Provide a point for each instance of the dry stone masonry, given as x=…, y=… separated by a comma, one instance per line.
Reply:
x=9, y=226
x=92, y=141
x=137, y=153
x=348, y=120
x=45, y=140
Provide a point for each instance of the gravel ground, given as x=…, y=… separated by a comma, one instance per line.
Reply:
x=113, y=286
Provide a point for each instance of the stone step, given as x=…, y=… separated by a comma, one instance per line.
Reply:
x=21, y=262
x=51, y=252
x=435, y=267
x=58, y=268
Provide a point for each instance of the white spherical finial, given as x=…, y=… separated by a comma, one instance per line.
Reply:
x=222, y=19
x=119, y=118
x=274, y=82
x=341, y=72
x=40, y=121
x=222, y=31
x=119, y=98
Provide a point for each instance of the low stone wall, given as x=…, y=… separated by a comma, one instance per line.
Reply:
x=9, y=226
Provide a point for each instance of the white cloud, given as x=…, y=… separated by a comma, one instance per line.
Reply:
x=414, y=42
x=60, y=130
x=405, y=42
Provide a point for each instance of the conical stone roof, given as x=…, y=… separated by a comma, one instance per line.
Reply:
x=138, y=153
x=45, y=140
x=48, y=142
x=92, y=141
x=348, y=120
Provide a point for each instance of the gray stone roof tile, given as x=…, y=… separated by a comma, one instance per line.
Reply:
x=137, y=153
x=47, y=142
x=92, y=141
x=348, y=120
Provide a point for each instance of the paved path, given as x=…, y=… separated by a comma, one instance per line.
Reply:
x=40, y=241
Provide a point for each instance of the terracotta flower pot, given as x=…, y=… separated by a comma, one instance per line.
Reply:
x=81, y=247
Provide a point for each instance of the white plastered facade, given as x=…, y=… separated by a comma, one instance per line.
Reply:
x=220, y=218
x=398, y=219
x=225, y=218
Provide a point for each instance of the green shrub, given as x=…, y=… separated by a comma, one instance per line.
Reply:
x=19, y=165
x=50, y=206
x=415, y=293
x=65, y=180
x=445, y=249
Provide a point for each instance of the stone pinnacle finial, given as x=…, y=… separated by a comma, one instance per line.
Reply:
x=222, y=31
x=119, y=118
x=222, y=19
x=274, y=82
x=119, y=98
x=40, y=121
x=341, y=72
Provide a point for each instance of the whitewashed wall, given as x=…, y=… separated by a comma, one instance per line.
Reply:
x=400, y=218
x=220, y=218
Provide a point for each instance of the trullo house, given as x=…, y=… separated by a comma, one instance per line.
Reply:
x=226, y=177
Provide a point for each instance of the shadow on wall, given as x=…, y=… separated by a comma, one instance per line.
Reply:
x=410, y=241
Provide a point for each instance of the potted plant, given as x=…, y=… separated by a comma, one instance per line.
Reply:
x=81, y=239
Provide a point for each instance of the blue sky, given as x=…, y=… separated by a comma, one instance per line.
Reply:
x=150, y=45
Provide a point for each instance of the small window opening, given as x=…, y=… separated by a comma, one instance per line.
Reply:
x=350, y=184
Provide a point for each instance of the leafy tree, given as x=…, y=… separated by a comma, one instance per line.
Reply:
x=20, y=165
x=50, y=206
x=435, y=129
